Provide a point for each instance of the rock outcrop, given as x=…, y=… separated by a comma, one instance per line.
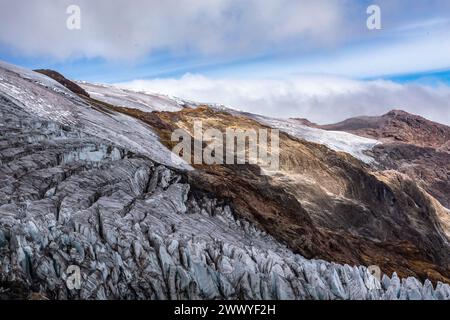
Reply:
x=398, y=126
x=72, y=86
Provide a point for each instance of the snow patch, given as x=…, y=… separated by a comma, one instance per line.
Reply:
x=131, y=99
x=335, y=140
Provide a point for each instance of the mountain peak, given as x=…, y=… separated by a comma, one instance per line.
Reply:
x=397, y=126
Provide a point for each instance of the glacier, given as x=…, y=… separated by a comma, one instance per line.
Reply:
x=99, y=191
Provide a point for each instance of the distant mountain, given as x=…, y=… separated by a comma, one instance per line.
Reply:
x=411, y=144
x=90, y=181
x=398, y=126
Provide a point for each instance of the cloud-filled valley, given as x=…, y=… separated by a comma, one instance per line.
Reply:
x=320, y=99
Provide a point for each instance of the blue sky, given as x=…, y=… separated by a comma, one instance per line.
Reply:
x=161, y=44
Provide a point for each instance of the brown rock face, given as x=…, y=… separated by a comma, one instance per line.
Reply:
x=412, y=145
x=323, y=204
x=429, y=167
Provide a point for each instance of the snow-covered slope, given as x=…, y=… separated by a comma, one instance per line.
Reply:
x=45, y=98
x=335, y=140
x=131, y=99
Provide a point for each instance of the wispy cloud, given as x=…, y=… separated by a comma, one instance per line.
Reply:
x=411, y=55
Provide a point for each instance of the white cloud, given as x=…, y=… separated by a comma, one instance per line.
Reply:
x=320, y=99
x=124, y=29
x=423, y=53
x=296, y=36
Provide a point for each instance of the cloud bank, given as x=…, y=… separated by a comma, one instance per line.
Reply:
x=123, y=29
x=317, y=98
x=234, y=39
